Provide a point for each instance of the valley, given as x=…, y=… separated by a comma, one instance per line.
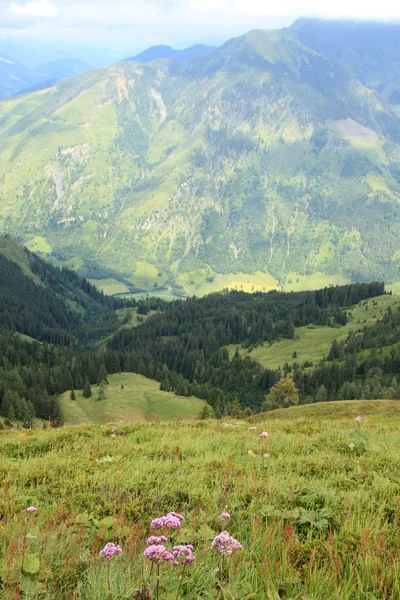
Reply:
x=264, y=163
x=199, y=306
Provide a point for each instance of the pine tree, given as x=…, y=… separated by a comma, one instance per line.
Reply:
x=102, y=394
x=87, y=390
x=72, y=395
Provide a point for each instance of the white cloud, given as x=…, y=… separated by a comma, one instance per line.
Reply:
x=356, y=9
x=37, y=8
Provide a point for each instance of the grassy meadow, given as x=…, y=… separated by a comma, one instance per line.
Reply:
x=315, y=506
x=140, y=399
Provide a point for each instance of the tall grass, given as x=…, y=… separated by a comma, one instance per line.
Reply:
x=316, y=506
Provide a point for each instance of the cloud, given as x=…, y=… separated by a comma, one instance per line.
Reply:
x=137, y=24
x=36, y=8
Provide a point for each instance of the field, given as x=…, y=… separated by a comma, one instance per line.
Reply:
x=315, y=506
x=312, y=342
x=140, y=399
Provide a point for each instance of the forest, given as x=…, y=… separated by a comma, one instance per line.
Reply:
x=54, y=327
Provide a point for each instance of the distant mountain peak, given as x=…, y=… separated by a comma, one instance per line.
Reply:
x=163, y=51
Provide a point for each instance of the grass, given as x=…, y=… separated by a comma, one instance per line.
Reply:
x=256, y=282
x=315, y=505
x=110, y=286
x=139, y=400
x=313, y=342
x=298, y=283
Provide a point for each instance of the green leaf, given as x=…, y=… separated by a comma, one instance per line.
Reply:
x=205, y=532
x=31, y=564
x=107, y=522
x=82, y=518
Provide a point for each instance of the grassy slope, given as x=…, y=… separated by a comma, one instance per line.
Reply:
x=371, y=411
x=16, y=254
x=140, y=400
x=315, y=506
x=313, y=342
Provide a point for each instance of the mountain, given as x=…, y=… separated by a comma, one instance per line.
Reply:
x=14, y=76
x=49, y=304
x=17, y=76
x=262, y=163
x=163, y=51
x=370, y=51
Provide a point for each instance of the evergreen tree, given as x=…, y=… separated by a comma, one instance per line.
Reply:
x=87, y=390
x=72, y=395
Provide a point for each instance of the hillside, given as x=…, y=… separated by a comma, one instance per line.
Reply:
x=311, y=343
x=316, y=502
x=262, y=163
x=131, y=398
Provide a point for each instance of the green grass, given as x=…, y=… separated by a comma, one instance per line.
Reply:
x=256, y=282
x=298, y=283
x=313, y=342
x=110, y=286
x=315, y=505
x=140, y=400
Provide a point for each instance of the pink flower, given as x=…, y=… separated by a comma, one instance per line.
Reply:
x=252, y=429
x=183, y=555
x=109, y=550
x=158, y=553
x=226, y=544
x=30, y=509
x=156, y=539
x=264, y=434
x=172, y=521
x=225, y=516
x=358, y=419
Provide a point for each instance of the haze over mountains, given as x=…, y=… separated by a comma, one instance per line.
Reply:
x=276, y=155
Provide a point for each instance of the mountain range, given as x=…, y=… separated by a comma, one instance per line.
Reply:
x=273, y=160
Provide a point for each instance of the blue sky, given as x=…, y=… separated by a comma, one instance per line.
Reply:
x=137, y=24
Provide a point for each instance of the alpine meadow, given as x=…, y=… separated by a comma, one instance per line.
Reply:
x=199, y=319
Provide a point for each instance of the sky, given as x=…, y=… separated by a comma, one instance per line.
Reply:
x=130, y=26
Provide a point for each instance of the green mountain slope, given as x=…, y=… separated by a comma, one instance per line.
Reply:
x=262, y=157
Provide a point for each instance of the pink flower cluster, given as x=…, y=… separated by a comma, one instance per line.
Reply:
x=225, y=516
x=30, y=509
x=252, y=429
x=183, y=555
x=158, y=554
x=172, y=520
x=264, y=434
x=358, y=419
x=226, y=544
x=109, y=550
x=156, y=539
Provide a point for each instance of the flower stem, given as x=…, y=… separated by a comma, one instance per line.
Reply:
x=158, y=583
x=24, y=546
x=108, y=579
x=180, y=583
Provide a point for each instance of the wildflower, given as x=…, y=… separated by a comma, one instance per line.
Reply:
x=172, y=521
x=109, y=550
x=142, y=594
x=264, y=434
x=30, y=509
x=252, y=429
x=224, y=516
x=156, y=539
x=184, y=554
x=358, y=420
x=158, y=554
x=226, y=544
